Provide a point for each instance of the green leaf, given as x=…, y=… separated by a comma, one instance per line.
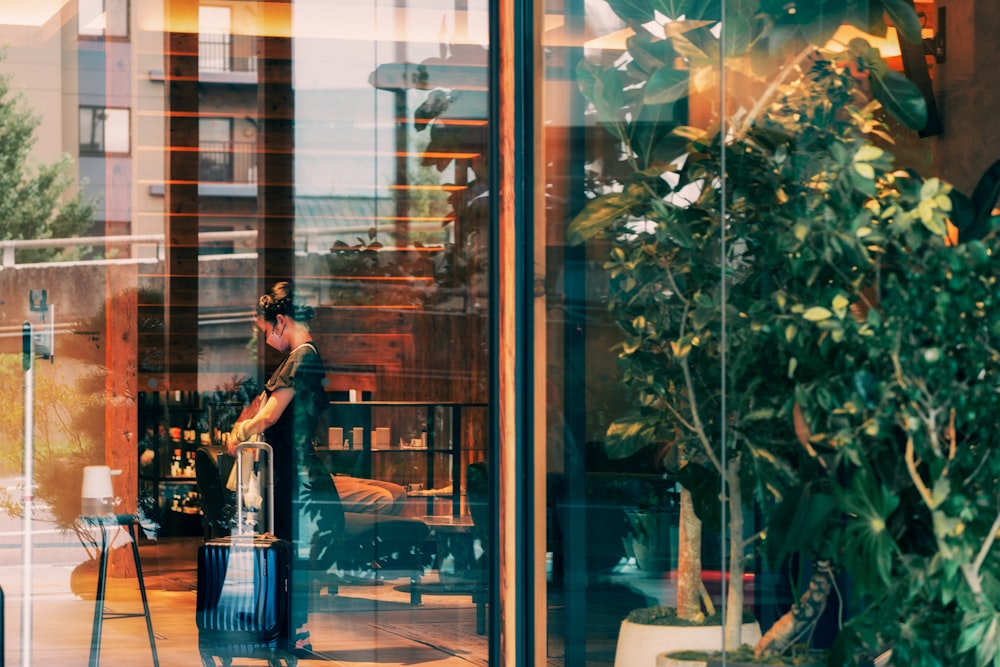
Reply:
x=901, y=98
x=604, y=88
x=798, y=519
x=738, y=33
x=629, y=435
x=690, y=133
x=666, y=85
x=905, y=18
x=817, y=314
x=980, y=631
x=597, y=215
x=868, y=153
x=869, y=505
x=867, y=388
x=691, y=10
x=865, y=170
x=632, y=10
x=972, y=215
x=942, y=487
x=704, y=484
x=649, y=56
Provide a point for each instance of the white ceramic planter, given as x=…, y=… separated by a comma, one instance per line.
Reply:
x=663, y=660
x=640, y=644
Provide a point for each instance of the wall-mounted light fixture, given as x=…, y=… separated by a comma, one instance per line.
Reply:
x=915, y=67
x=934, y=38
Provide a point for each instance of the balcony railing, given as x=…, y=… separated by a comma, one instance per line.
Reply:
x=227, y=162
x=152, y=248
x=226, y=53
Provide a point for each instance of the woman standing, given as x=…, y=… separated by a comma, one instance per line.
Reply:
x=292, y=405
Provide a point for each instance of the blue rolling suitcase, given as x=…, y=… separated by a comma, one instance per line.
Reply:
x=242, y=607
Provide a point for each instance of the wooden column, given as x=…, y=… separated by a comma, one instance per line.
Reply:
x=505, y=292
x=518, y=624
x=121, y=361
x=276, y=149
x=182, y=219
x=120, y=410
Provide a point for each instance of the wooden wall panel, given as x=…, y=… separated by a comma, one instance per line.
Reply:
x=414, y=355
x=364, y=349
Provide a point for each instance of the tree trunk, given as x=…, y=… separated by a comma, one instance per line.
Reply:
x=689, y=561
x=737, y=564
x=802, y=617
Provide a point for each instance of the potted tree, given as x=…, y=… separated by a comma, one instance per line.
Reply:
x=792, y=168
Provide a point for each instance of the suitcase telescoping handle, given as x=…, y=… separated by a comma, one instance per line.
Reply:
x=268, y=484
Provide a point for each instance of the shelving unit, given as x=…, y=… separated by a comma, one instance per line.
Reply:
x=172, y=426
x=444, y=426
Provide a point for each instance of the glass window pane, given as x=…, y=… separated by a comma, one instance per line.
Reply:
x=91, y=130
x=100, y=18
x=712, y=174
x=91, y=17
x=351, y=164
x=117, y=18
x=116, y=130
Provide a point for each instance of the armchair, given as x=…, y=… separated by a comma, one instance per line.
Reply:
x=367, y=542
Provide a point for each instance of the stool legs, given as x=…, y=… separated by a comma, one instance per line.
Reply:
x=142, y=589
x=102, y=573
x=95, y=637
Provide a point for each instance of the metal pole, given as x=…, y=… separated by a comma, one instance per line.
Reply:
x=3, y=629
x=27, y=362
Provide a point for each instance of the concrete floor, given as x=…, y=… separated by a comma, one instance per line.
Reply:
x=359, y=626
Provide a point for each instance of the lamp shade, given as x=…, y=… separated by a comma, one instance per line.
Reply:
x=96, y=495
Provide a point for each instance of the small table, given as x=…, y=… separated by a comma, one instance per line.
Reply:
x=454, y=539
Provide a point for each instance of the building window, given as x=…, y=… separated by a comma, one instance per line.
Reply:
x=219, y=50
x=103, y=18
x=104, y=130
x=215, y=142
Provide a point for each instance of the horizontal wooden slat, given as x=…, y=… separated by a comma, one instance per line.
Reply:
x=360, y=320
x=348, y=380
x=368, y=349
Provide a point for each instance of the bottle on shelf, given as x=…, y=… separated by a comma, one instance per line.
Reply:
x=191, y=503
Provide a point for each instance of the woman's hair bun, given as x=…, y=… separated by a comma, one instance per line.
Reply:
x=282, y=301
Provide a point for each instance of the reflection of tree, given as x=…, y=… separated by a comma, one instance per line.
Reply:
x=426, y=199
x=453, y=115
x=36, y=200
x=61, y=447
x=69, y=416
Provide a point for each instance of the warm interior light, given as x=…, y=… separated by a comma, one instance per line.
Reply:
x=615, y=41
x=888, y=46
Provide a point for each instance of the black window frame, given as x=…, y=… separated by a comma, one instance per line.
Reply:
x=95, y=146
x=105, y=36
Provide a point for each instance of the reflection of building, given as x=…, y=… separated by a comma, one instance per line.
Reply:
x=248, y=151
x=107, y=112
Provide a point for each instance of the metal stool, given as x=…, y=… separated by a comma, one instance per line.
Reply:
x=105, y=522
